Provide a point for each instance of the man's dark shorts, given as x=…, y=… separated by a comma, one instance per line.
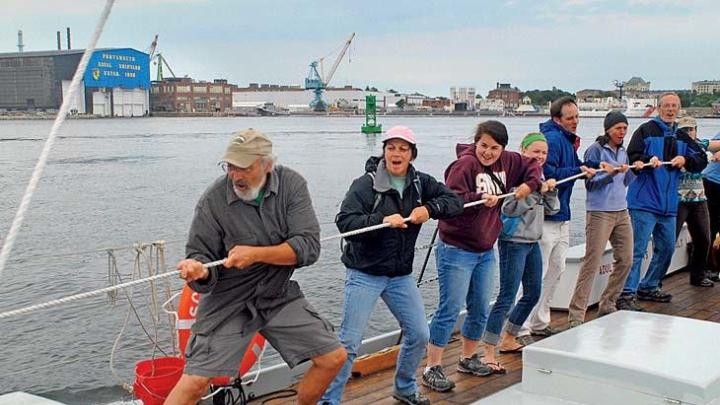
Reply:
x=297, y=332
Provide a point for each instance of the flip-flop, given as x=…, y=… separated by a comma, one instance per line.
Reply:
x=497, y=368
x=518, y=349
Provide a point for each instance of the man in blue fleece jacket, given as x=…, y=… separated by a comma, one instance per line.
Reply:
x=562, y=162
x=653, y=197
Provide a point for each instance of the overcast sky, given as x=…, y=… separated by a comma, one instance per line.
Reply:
x=405, y=45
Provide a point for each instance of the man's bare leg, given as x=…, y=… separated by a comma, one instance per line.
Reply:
x=188, y=390
x=319, y=376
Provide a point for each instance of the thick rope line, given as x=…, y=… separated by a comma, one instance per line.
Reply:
x=88, y=294
x=59, y=119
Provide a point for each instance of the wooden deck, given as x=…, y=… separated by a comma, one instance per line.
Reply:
x=688, y=301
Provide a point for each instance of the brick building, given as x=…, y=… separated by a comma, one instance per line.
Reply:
x=508, y=94
x=186, y=95
x=437, y=103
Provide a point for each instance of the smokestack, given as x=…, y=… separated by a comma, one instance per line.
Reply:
x=59, y=42
x=21, y=46
x=68, y=37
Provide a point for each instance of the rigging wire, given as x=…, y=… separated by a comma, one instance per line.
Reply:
x=59, y=119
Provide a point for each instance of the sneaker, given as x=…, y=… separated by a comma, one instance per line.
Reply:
x=547, y=331
x=436, y=380
x=474, y=366
x=525, y=340
x=705, y=282
x=574, y=323
x=629, y=304
x=655, y=296
x=415, y=398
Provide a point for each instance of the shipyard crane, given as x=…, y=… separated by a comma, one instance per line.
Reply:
x=160, y=61
x=157, y=59
x=316, y=82
x=153, y=46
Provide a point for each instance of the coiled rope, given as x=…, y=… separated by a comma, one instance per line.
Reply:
x=59, y=119
x=71, y=298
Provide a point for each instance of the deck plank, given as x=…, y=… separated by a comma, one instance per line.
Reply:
x=688, y=301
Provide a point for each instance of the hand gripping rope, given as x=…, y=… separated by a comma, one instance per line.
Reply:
x=76, y=297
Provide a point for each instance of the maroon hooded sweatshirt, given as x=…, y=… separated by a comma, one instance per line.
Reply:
x=478, y=227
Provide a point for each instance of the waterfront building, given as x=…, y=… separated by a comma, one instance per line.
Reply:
x=526, y=107
x=464, y=95
x=589, y=94
x=490, y=104
x=637, y=84
x=438, y=104
x=116, y=81
x=706, y=86
x=343, y=98
x=188, y=96
x=508, y=94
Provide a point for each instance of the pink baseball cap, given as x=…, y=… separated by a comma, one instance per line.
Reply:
x=400, y=132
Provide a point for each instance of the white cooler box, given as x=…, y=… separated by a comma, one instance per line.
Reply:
x=623, y=358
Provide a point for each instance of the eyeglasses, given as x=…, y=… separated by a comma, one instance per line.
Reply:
x=229, y=167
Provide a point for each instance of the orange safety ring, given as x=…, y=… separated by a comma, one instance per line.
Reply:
x=187, y=310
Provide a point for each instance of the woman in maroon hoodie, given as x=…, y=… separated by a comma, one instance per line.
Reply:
x=465, y=256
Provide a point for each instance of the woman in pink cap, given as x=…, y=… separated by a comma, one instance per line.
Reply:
x=380, y=263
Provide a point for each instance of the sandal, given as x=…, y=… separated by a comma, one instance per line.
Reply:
x=516, y=349
x=497, y=368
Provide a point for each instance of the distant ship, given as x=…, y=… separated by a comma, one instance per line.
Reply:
x=631, y=107
x=640, y=107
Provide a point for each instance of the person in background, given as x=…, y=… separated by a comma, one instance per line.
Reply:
x=653, y=197
x=520, y=258
x=380, y=263
x=562, y=162
x=711, y=182
x=465, y=256
x=606, y=219
x=260, y=216
x=693, y=210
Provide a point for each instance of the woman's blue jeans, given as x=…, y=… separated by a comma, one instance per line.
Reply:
x=519, y=262
x=465, y=278
x=403, y=299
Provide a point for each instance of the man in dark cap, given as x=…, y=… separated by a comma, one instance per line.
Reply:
x=607, y=219
x=260, y=216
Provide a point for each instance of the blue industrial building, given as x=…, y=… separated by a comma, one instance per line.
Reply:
x=116, y=82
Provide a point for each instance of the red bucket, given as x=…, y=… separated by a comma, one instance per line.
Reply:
x=155, y=378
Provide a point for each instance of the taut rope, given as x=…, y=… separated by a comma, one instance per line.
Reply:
x=71, y=298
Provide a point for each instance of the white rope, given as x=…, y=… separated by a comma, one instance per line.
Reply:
x=59, y=119
x=101, y=291
x=88, y=294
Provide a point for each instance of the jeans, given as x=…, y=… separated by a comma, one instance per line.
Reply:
x=465, y=278
x=553, y=245
x=402, y=297
x=519, y=262
x=662, y=229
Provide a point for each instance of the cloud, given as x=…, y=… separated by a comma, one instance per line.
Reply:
x=81, y=7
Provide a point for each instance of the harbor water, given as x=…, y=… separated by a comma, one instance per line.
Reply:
x=114, y=182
